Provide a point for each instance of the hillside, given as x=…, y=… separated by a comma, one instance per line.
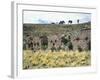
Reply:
x=56, y=45
x=51, y=29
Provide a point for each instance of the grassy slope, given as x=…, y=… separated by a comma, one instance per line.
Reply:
x=53, y=28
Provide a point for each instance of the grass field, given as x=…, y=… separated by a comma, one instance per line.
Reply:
x=48, y=59
x=51, y=29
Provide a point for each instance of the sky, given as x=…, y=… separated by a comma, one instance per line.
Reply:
x=38, y=17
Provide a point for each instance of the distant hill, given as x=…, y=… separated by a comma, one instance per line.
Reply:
x=50, y=29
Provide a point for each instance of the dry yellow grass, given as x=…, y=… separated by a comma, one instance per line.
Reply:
x=48, y=59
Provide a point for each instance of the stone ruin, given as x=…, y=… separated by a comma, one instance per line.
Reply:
x=57, y=42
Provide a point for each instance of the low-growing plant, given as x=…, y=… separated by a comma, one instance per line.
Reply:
x=49, y=59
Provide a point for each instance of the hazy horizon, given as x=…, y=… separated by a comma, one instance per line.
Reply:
x=37, y=17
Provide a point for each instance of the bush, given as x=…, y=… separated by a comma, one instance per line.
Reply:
x=48, y=59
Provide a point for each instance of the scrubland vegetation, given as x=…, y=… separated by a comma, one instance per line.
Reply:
x=48, y=59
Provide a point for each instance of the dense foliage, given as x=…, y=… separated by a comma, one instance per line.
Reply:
x=48, y=59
